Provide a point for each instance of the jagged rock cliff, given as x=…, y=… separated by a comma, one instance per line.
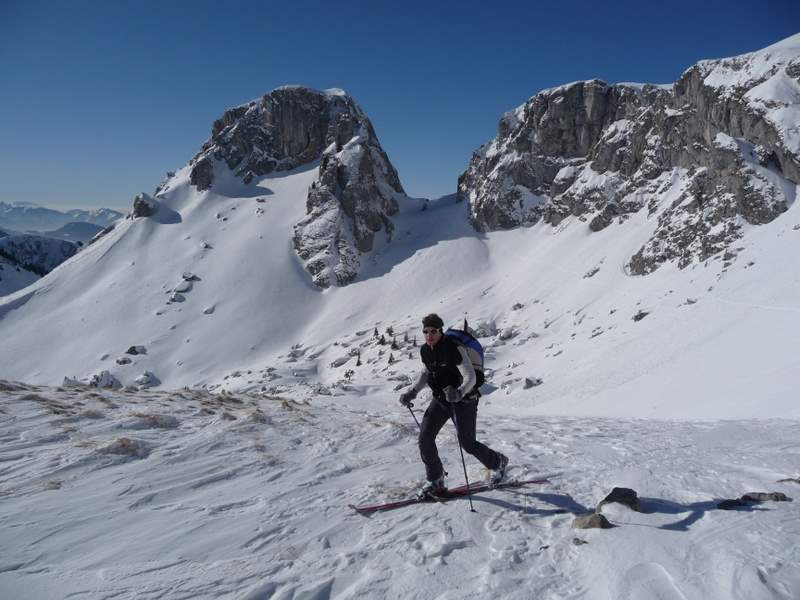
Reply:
x=358, y=187
x=717, y=151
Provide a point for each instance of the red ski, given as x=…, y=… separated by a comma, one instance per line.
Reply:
x=456, y=492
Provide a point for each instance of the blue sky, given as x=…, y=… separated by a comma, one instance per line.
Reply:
x=99, y=99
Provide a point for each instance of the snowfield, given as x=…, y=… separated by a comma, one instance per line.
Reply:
x=187, y=494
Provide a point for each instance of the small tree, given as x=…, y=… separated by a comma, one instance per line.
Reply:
x=415, y=341
x=391, y=358
x=405, y=337
x=389, y=330
x=375, y=333
x=358, y=359
x=394, y=344
x=382, y=340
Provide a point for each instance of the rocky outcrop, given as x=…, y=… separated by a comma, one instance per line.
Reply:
x=357, y=190
x=144, y=206
x=625, y=496
x=715, y=151
x=349, y=205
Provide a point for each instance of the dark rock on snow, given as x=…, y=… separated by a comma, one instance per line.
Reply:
x=624, y=496
x=591, y=521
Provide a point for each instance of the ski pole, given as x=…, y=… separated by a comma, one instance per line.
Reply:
x=463, y=462
x=415, y=418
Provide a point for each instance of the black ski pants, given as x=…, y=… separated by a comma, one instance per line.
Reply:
x=438, y=413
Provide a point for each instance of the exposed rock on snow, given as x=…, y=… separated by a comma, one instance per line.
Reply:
x=147, y=379
x=625, y=496
x=507, y=333
x=126, y=447
x=765, y=497
x=104, y=379
x=136, y=350
x=716, y=152
x=485, y=329
x=144, y=206
x=591, y=521
x=183, y=286
x=531, y=382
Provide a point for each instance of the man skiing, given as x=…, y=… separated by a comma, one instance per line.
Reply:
x=451, y=377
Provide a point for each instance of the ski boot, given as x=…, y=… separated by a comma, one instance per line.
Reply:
x=499, y=473
x=432, y=489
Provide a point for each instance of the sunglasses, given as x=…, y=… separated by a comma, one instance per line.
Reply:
x=430, y=331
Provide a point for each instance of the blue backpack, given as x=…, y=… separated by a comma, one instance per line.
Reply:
x=464, y=339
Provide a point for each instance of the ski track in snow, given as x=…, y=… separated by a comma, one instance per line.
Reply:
x=245, y=496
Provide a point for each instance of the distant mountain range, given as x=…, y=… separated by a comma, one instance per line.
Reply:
x=25, y=216
x=34, y=239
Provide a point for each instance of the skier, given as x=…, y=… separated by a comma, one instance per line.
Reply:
x=450, y=375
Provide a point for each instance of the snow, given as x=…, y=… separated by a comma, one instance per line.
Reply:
x=13, y=277
x=618, y=131
x=191, y=494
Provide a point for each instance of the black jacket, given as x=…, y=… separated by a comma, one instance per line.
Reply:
x=442, y=362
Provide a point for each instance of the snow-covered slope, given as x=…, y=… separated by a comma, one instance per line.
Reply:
x=13, y=277
x=187, y=494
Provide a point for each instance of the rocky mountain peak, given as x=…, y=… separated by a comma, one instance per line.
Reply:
x=286, y=128
x=358, y=187
x=718, y=150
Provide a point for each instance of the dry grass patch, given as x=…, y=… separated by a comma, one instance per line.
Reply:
x=53, y=406
x=11, y=386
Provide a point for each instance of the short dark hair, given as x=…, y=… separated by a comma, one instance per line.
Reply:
x=432, y=320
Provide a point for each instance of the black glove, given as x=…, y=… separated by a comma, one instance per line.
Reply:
x=406, y=398
x=451, y=394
